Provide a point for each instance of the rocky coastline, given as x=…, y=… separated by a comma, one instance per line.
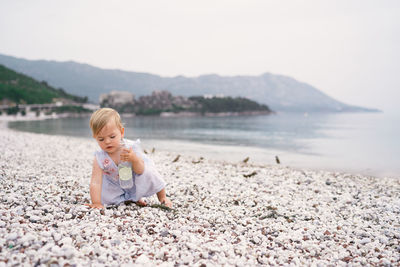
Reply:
x=225, y=213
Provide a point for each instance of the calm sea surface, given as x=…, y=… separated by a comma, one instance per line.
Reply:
x=366, y=143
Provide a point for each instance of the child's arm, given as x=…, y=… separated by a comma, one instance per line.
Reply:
x=137, y=162
x=95, y=186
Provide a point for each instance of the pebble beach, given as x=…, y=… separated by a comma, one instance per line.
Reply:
x=224, y=214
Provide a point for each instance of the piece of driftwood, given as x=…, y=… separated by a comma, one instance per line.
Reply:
x=177, y=158
x=198, y=161
x=250, y=175
x=160, y=206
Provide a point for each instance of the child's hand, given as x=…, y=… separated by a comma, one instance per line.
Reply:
x=95, y=206
x=137, y=163
x=127, y=154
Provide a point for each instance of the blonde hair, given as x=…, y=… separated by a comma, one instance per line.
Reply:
x=101, y=117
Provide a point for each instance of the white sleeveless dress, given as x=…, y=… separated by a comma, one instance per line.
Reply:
x=144, y=185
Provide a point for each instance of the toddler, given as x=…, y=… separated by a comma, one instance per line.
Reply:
x=105, y=189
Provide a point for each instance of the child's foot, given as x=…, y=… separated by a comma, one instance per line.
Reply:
x=141, y=203
x=166, y=202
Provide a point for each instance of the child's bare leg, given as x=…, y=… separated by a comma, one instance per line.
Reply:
x=163, y=198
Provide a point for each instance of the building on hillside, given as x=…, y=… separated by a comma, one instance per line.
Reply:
x=117, y=98
x=164, y=100
x=209, y=96
x=155, y=103
x=157, y=100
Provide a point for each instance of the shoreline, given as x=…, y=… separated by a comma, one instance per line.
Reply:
x=210, y=114
x=33, y=117
x=257, y=155
x=18, y=117
x=224, y=213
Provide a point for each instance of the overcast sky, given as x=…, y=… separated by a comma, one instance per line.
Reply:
x=349, y=49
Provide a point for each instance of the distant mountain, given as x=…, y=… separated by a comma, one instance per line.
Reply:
x=21, y=89
x=280, y=93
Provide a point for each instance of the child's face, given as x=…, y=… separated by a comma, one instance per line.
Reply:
x=109, y=137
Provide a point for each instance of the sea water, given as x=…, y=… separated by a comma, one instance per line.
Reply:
x=366, y=143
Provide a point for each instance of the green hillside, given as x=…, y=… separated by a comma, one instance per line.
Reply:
x=226, y=104
x=21, y=89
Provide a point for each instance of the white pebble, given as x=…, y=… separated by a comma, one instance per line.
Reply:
x=365, y=241
x=68, y=251
x=27, y=238
x=66, y=241
x=142, y=259
x=12, y=236
x=57, y=237
x=34, y=219
x=383, y=240
x=56, y=250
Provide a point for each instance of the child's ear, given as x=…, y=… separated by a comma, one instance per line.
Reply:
x=122, y=131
